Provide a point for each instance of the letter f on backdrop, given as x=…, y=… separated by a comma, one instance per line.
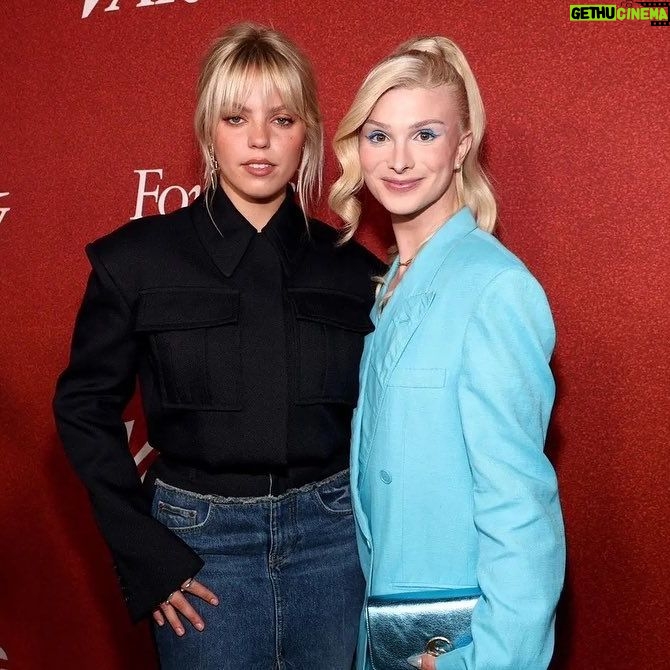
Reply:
x=3, y=211
x=89, y=6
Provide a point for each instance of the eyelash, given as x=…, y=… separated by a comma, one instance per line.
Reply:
x=284, y=121
x=427, y=131
x=377, y=137
x=281, y=121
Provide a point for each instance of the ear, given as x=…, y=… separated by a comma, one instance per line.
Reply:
x=463, y=148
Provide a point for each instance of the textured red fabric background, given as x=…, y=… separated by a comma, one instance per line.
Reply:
x=579, y=150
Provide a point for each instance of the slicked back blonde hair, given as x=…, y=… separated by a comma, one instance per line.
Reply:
x=244, y=54
x=423, y=62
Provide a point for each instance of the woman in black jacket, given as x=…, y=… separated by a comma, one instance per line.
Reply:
x=244, y=323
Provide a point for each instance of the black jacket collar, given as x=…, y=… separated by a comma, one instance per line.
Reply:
x=227, y=241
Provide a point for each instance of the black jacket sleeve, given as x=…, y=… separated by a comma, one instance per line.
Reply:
x=91, y=395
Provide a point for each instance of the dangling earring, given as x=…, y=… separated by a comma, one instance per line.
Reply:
x=460, y=196
x=213, y=166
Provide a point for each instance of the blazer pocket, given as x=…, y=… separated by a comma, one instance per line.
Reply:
x=194, y=339
x=331, y=327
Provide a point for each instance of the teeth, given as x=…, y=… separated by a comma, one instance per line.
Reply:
x=259, y=165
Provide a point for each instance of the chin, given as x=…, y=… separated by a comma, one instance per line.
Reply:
x=400, y=208
x=266, y=191
x=402, y=204
x=405, y=213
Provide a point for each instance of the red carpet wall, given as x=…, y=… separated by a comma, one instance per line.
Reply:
x=95, y=113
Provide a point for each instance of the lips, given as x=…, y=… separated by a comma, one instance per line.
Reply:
x=401, y=185
x=258, y=162
x=259, y=167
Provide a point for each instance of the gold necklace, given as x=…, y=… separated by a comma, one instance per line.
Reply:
x=406, y=264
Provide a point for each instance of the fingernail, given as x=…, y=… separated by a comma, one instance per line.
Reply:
x=180, y=631
x=415, y=661
x=200, y=626
x=160, y=623
x=214, y=601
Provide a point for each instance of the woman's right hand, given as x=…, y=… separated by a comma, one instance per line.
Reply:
x=423, y=661
x=177, y=604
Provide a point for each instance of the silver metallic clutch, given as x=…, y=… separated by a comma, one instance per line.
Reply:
x=404, y=624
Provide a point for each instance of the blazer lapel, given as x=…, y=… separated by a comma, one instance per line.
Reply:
x=414, y=294
x=396, y=325
x=404, y=318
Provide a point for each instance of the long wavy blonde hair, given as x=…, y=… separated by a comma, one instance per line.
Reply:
x=423, y=62
x=245, y=52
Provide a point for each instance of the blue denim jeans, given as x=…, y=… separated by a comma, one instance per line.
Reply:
x=285, y=570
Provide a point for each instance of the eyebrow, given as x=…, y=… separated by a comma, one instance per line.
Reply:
x=414, y=126
x=273, y=110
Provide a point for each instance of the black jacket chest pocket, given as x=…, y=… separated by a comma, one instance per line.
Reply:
x=331, y=328
x=195, y=345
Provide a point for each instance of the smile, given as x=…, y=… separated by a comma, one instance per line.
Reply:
x=401, y=186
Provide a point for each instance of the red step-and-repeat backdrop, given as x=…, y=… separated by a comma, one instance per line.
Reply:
x=95, y=113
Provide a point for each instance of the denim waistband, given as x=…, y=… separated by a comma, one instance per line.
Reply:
x=337, y=477
x=269, y=482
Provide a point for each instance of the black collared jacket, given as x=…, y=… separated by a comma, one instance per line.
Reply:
x=246, y=346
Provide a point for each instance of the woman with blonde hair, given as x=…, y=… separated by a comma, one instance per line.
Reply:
x=244, y=322
x=451, y=489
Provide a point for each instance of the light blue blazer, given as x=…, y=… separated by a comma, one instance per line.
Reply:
x=450, y=485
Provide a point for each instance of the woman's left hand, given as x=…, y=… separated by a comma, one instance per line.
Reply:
x=423, y=661
x=177, y=604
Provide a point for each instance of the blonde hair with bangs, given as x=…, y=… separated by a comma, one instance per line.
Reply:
x=424, y=62
x=244, y=53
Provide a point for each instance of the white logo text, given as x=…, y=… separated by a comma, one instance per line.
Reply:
x=181, y=197
x=113, y=6
x=3, y=211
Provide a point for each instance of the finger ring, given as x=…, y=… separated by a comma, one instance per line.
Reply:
x=186, y=584
x=167, y=600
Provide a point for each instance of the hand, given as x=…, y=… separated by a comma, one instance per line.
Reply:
x=423, y=661
x=177, y=603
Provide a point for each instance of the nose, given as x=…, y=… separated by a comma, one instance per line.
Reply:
x=401, y=158
x=259, y=136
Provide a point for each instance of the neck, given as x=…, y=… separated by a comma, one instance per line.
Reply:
x=256, y=212
x=413, y=230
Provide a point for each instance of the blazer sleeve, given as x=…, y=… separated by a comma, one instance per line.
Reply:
x=506, y=392
x=91, y=395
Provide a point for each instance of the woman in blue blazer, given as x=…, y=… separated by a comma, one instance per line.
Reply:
x=450, y=484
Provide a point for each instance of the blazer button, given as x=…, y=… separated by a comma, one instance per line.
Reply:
x=385, y=476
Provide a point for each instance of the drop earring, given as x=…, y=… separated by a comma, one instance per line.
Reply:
x=213, y=166
x=212, y=158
